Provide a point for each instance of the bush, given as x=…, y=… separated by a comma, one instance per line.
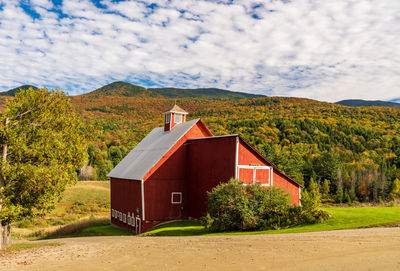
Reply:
x=235, y=207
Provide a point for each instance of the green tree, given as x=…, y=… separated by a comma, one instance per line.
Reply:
x=325, y=190
x=43, y=147
x=311, y=198
x=339, y=195
x=395, y=192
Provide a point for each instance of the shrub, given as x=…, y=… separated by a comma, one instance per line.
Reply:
x=235, y=207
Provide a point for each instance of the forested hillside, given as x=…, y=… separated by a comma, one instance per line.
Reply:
x=353, y=152
x=369, y=103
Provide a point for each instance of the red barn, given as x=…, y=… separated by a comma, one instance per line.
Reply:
x=168, y=174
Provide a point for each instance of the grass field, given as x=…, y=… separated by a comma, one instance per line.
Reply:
x=84, y=211
x=82, y=201
x=342, y=218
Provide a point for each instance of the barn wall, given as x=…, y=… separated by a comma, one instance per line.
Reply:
x=169, y=177
x=248, y=156
x=125, y=197
x=291, y=188
x=211, y=162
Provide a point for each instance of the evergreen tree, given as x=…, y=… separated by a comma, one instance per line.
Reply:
x=325, y=189
x=311, y=198
x=395, y=192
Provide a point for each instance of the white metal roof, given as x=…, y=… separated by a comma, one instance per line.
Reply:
x=149, y=151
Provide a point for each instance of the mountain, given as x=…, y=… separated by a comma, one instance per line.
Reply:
x=201, y=92
x=12, y=92
x=368, y=103
x=124, y=89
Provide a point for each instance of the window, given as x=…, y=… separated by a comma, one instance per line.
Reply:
x=178, y=118
x=167, y=118
x=129, y=218
x=124, y=218
x=176, y=197
x=112, y=212
x=120, y=216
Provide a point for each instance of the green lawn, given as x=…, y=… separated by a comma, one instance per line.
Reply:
x=104, y=230
x=342, y=218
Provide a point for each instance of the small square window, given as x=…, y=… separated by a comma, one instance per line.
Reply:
x=178, y=118
x=176, y=197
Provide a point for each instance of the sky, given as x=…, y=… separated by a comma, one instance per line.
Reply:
x=324, y=50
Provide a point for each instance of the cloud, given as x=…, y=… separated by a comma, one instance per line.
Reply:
x=326, y=50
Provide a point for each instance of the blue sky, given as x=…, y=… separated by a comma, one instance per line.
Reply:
x=325, y=50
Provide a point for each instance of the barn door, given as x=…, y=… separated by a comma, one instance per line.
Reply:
x=138, y=225
x=255, y=175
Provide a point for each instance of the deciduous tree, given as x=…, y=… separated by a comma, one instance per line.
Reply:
x=43, y=146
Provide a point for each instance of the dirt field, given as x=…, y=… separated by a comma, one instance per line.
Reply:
x=364, y=249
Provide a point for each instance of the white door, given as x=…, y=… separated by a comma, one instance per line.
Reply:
x=138, y=227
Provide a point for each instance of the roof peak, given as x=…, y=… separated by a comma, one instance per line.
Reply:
x=176, y=109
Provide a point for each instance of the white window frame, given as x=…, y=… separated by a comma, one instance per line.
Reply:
x=112, y=213
x=124, y=218
x=175, y=118
x=180, y=198
x=120, y=216
x=129, y=218
x=254, y=168
x=167, y=118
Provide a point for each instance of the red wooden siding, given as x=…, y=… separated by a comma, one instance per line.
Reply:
x=197, y=131
x=211, y=162
x=248, y=156
x=125, y=197
x=169, y=177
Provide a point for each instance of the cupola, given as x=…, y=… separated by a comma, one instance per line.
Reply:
x=174, y=116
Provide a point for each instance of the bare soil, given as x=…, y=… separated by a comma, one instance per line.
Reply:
x=363, y=249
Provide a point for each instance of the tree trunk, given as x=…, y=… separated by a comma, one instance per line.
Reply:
x=5, y=236
x=5, y=230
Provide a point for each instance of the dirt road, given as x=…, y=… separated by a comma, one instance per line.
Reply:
x=364, y=249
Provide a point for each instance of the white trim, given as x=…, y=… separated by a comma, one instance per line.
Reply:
x=237, y=157
x=254, y=167
x=172, y=197
x=299, y=196
x=142, y=188
x=271, y=175
x=173, y=111
x=124, y=218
